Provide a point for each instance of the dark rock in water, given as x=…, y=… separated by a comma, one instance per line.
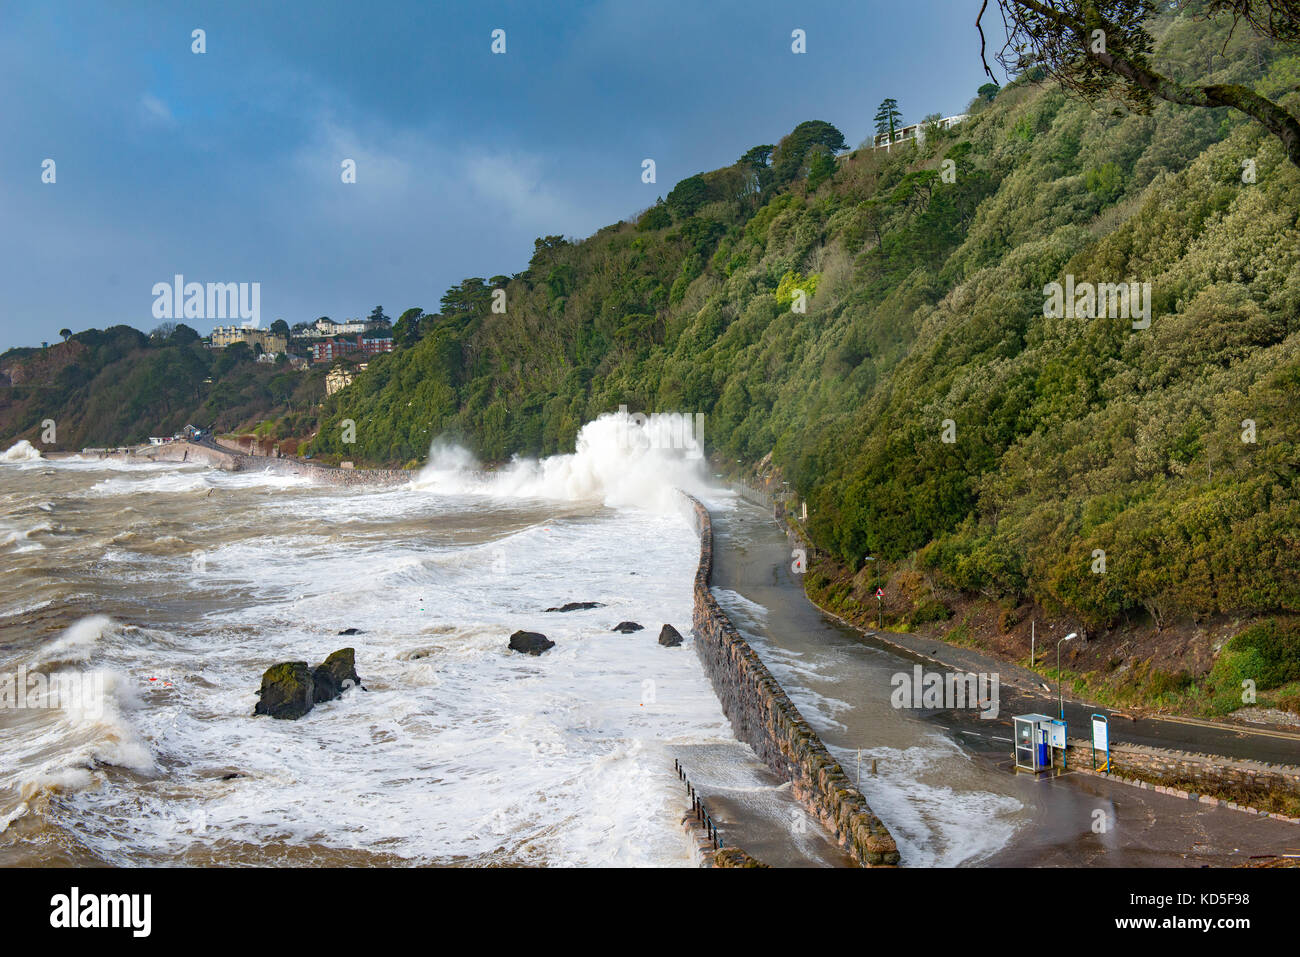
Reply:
x=287, y=690
x=530, y=642
x=231, y=776
x=578, y=606
x=627, y=627
x=331, y=676
x=290, y=688
x=351, y=631
x=669, y=637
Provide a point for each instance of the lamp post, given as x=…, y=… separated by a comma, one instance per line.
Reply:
x=1059, y=689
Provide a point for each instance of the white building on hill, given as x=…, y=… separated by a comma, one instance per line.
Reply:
x=915, y=132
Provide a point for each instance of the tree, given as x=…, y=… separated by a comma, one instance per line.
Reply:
x=377, y=315
x=888, y=118
x=280, y=328
x=1097, y=48
x=789, y=157
x=65, y=334
x=183, y=335
x=162, y=332
x=988, y=92
x=758, y=157
x=757, y=164
x=688, y=196
x=1276, y=19
x=406, y=331
x=656, y=217
x=821, y=167
x=471, y=297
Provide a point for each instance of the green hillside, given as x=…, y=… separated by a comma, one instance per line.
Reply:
x=118, y=387
x=927, y=304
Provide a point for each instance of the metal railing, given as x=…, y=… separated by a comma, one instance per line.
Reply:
x=701, y=813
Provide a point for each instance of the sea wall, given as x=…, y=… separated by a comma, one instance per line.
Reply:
x=179, y=452
x=765, y=718
x=235, y=461
x=321, y=474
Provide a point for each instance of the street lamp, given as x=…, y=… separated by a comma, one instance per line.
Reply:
x=1059, y=689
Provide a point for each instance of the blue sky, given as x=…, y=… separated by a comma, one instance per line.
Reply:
x=225, y=166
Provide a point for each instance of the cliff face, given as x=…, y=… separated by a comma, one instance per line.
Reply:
x=39, y=368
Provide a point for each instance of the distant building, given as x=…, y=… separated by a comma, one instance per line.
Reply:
x=915, y=132
x=327, y=350
x=374, y=345
x=223, y=336
x=326, y=328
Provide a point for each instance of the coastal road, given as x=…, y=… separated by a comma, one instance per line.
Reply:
x=1022, y=692
x=946, y=788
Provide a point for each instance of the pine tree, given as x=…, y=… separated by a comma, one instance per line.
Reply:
x=888, y=118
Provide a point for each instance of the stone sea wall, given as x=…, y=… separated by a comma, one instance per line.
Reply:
x=765, y=718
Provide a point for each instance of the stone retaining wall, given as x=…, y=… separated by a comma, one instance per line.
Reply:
x=1249, y=780
x=765, y=718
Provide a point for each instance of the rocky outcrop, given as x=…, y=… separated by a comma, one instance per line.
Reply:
x=627, y=627
x=578, y=606
x=287, y=692
x=291, y=688
x=530, y=642
x=669, y=636
x=337, y=673
x=765, y=718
